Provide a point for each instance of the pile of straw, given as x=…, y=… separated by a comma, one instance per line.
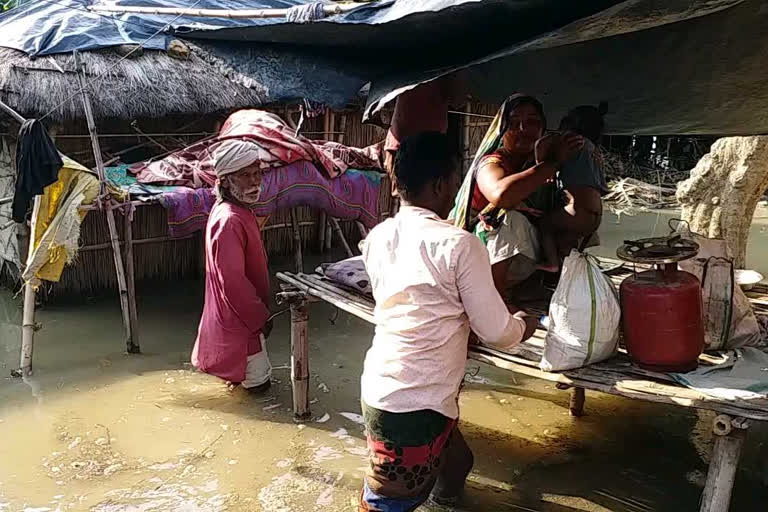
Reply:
x=629, y=196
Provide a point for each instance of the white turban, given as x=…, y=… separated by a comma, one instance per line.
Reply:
x=235, y=154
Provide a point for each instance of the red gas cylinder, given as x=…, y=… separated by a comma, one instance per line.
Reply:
x=661, y=308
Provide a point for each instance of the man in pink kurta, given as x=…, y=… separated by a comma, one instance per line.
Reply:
x=231, y=338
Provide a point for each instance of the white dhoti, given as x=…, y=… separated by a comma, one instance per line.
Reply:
x=259, y=370
x=516, y=240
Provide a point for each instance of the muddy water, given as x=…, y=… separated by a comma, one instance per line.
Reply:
x=97, y=430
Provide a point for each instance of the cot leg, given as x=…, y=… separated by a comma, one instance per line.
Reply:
x=577, y=402
x=300, y=361
x=729, y=437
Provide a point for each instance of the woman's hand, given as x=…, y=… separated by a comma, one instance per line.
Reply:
x=558, y=148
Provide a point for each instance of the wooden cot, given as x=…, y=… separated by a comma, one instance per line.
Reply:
x=617, y=376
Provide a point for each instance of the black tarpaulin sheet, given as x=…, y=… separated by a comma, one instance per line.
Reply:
x=57, y=26
x=664, y=67
x=283, y=74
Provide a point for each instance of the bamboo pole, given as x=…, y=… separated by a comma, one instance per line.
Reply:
x=466, y=142
x=28, y=313
x=129, y=271
x=331, y=124
x=299, y=258
x=340, y=234
x=131, y=337
x=359, y=301
x=329, y=10
x=361, y=229
x=300, y=360
x=576, y=406
x=8, y=110
x=342, y=128
x=724, y=463
x=322, y=223
x=328, y=236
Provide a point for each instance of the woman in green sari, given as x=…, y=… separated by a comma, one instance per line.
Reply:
x=511, y=184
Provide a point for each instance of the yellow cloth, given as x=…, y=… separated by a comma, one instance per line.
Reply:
x=57, y=230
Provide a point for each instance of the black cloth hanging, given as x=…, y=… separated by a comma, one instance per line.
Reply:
x=37, y=165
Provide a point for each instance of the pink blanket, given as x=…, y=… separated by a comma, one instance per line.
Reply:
x=352, y=196
x=193, y=165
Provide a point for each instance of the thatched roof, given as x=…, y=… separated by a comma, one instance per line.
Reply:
x=153, y=85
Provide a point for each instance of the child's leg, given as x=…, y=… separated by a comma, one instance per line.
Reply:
x=549, y=249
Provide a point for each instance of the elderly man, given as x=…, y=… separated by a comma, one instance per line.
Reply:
x=231, y=338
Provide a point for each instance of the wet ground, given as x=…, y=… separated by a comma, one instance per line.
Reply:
x=97, y=430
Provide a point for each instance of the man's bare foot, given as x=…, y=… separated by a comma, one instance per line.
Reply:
x=545, y=267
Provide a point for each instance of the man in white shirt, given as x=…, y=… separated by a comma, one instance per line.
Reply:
x=432, y=283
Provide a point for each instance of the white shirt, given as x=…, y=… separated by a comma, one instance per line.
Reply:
x=432, y=282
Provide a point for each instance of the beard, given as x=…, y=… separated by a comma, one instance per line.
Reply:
x=249, y=196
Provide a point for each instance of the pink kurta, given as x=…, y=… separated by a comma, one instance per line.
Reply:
x=236, y=293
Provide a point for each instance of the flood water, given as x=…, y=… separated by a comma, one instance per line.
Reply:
x=615, y=229
x=98, y=430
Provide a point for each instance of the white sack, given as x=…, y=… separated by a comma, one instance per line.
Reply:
x=584, y=316
x=729, y=321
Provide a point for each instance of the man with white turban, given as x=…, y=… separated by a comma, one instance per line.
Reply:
x=231, y=338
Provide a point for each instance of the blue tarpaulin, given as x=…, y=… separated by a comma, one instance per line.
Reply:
x=59, y=26
x=663, y=66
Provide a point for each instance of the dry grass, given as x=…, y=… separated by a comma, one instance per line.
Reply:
x=153, y=85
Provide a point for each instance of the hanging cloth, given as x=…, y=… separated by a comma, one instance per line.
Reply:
x=37, y=166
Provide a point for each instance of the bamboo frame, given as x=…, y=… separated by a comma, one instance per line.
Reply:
x=131, y=336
